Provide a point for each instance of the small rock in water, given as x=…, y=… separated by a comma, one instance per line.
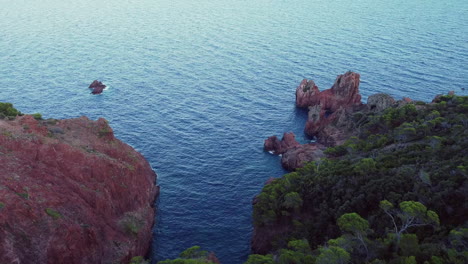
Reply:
x=97, y=87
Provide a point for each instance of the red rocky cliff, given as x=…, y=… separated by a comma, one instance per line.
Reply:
x=343, y=93
x=70, y=192
x=329, y=106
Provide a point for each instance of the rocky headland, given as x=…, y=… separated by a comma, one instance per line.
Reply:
x=70, y=192
x=334, y=115
x=377, y=165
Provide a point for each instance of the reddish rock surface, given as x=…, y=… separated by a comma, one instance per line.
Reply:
x=97, y=87
x=332, y=129
x=331, y=118
x=296, y=157
x=343, y=93
x=293, y=154
x=328, y=106
x=70, y=192
x=212, y=258
x=408, y=100
x=307, y=94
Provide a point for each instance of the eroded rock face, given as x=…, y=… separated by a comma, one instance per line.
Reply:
x=331, y=128
x=327, y=106
x=330, y=119
x=307, y=94
x=343, y=93
x=70, y=192
x=97, y=87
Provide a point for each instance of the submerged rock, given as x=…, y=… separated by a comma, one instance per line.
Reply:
x=70, y=192
x=97, y=87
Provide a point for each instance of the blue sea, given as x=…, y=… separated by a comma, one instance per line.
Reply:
x=196, y=86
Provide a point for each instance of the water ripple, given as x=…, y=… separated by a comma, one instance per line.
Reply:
x=197, y=86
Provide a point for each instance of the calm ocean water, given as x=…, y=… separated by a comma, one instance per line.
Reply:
x=196, y=86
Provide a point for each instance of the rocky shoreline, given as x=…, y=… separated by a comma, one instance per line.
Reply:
x=385, y=150
x=70, y=192
x=369, y=157
x=333, y=117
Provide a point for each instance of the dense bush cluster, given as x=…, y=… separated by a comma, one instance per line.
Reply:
x=8, y=111
x=414, y=156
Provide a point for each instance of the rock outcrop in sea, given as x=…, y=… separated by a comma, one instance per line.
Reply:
x=330, y=109
x=293, y=154
x=402, y=152
x=343, y=93
x=70, y=192
x=334, y=116
x=97, y=87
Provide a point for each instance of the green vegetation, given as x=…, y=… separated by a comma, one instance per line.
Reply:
x=260, y=259
x=359, y=244
x=193, y=255
x=410, y=214
x=2, y=205
x=332, y=255
x=372, y=193
x=37, y=116
x=54, y=214
x=8, y=111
